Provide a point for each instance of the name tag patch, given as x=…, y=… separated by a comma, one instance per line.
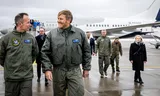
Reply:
x=27, y=41
x=75, y=41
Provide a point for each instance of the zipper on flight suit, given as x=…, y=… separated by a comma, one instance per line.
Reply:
x=66, y=37
x=21, y=46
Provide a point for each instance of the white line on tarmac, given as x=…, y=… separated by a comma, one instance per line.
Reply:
x=88, y=92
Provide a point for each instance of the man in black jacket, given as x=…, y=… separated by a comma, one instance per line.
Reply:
x=40, y=40
x=91, y=42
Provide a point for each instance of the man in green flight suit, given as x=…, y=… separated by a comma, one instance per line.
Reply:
x=104, y=52
x=18, y=51
x=65, y=48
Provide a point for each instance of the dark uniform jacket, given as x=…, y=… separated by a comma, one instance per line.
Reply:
x=18, y=52
x=92, y=45
x=138, y=54
x=116, y=48
x=40, y=41
x=66, y=49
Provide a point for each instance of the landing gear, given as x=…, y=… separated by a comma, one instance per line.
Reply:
x=156, y=46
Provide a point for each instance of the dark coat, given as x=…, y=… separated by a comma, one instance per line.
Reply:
x=138, y=54
x=40, y=42
x=92, y=45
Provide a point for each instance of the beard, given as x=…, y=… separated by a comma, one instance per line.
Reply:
x=62, y=25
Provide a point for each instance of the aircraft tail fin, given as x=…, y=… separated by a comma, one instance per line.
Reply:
x=158, y=16
x=151, y=13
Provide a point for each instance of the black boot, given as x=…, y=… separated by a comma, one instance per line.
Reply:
x=113, y=70
x=46, y=82
x=136, y=77
x=140, y=81
x=118, y=70
x=38, y=80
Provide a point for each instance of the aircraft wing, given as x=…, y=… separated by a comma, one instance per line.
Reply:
x=115, y=29
x=133, y=27
x=118, y=31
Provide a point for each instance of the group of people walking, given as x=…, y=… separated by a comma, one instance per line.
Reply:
x=60, y=54
x=109, y=52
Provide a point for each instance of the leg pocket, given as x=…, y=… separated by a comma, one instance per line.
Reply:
x=26, y=88
x=75, y=83
x=12, y=89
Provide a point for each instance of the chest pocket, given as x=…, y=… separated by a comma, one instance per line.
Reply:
x=76, y=56
x=104, y=43
x=27, y=44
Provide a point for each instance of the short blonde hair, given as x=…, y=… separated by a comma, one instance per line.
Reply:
x=67, y=13
x=139, y=37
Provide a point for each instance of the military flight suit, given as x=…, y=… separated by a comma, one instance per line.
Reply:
x=103, y=48
x=18, y=52
x=116, y=49
x=65, y=50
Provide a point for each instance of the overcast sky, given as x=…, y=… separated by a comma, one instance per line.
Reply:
x=46, y=10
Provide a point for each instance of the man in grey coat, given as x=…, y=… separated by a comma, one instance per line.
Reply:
x=65, y=48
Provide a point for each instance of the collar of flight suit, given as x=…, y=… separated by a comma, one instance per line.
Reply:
x=103, y=37
x=71, y=30
x=16, y=32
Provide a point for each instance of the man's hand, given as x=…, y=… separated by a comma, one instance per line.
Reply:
x=85, y=73
x=48, y=75
x=131, y=61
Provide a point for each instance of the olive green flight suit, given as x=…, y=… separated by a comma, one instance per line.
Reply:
x=65, y=50
x=103, y=48
x=18, y=52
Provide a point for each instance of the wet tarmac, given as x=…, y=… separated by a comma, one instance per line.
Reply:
x=117, y=84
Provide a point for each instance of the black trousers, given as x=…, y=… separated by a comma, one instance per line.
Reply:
x=39, y=67
x=137, y=75
x=18, y=88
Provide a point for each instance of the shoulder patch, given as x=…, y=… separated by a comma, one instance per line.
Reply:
x=15, y=42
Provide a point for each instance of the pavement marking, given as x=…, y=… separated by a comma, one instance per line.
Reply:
x=150, y=67
x=88, y=92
